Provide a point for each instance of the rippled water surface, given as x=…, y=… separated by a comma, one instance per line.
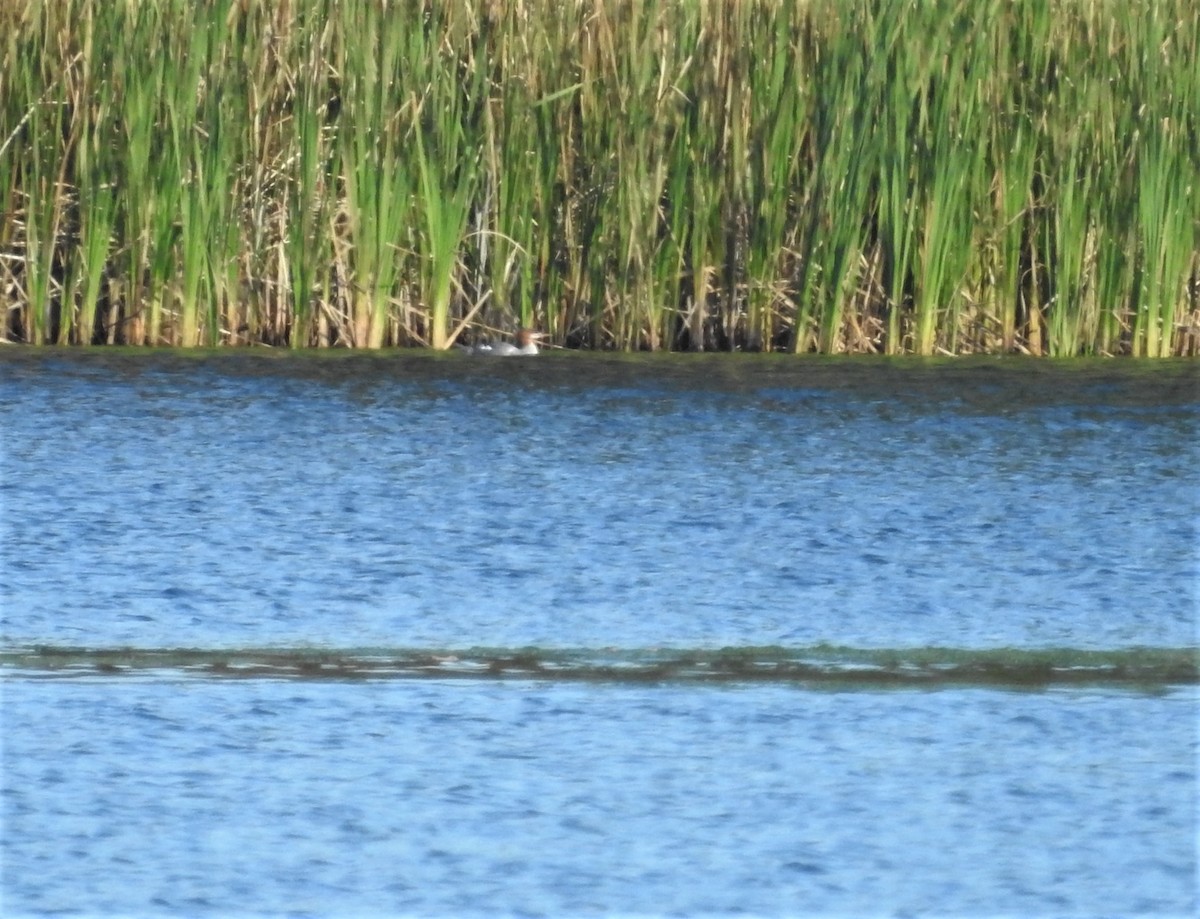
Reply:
x=398, y=634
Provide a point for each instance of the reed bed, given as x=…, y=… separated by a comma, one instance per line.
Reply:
x=893, y=176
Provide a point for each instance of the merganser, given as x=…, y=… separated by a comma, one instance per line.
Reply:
x=526, y=344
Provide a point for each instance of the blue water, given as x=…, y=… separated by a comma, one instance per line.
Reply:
x=619, y=506
x=422, y=798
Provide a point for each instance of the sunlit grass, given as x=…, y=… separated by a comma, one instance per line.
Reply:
x=833, y=175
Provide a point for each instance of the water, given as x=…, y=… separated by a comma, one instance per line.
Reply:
x=418, y=798
x=401, y=635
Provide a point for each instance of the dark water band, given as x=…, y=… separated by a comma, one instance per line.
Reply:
x=817, y=665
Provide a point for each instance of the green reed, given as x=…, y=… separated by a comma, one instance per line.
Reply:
x=831, y=175
x=375, y=174
x=446, y=138
x=96, y=198
x=899, y=79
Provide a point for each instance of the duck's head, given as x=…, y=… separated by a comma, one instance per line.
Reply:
x=526, y=337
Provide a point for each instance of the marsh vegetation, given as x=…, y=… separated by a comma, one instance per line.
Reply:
x=828, y=175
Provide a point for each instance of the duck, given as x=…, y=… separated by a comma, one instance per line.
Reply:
x=526, y=345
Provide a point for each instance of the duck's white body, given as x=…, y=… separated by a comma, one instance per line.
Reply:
x=526, y=344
